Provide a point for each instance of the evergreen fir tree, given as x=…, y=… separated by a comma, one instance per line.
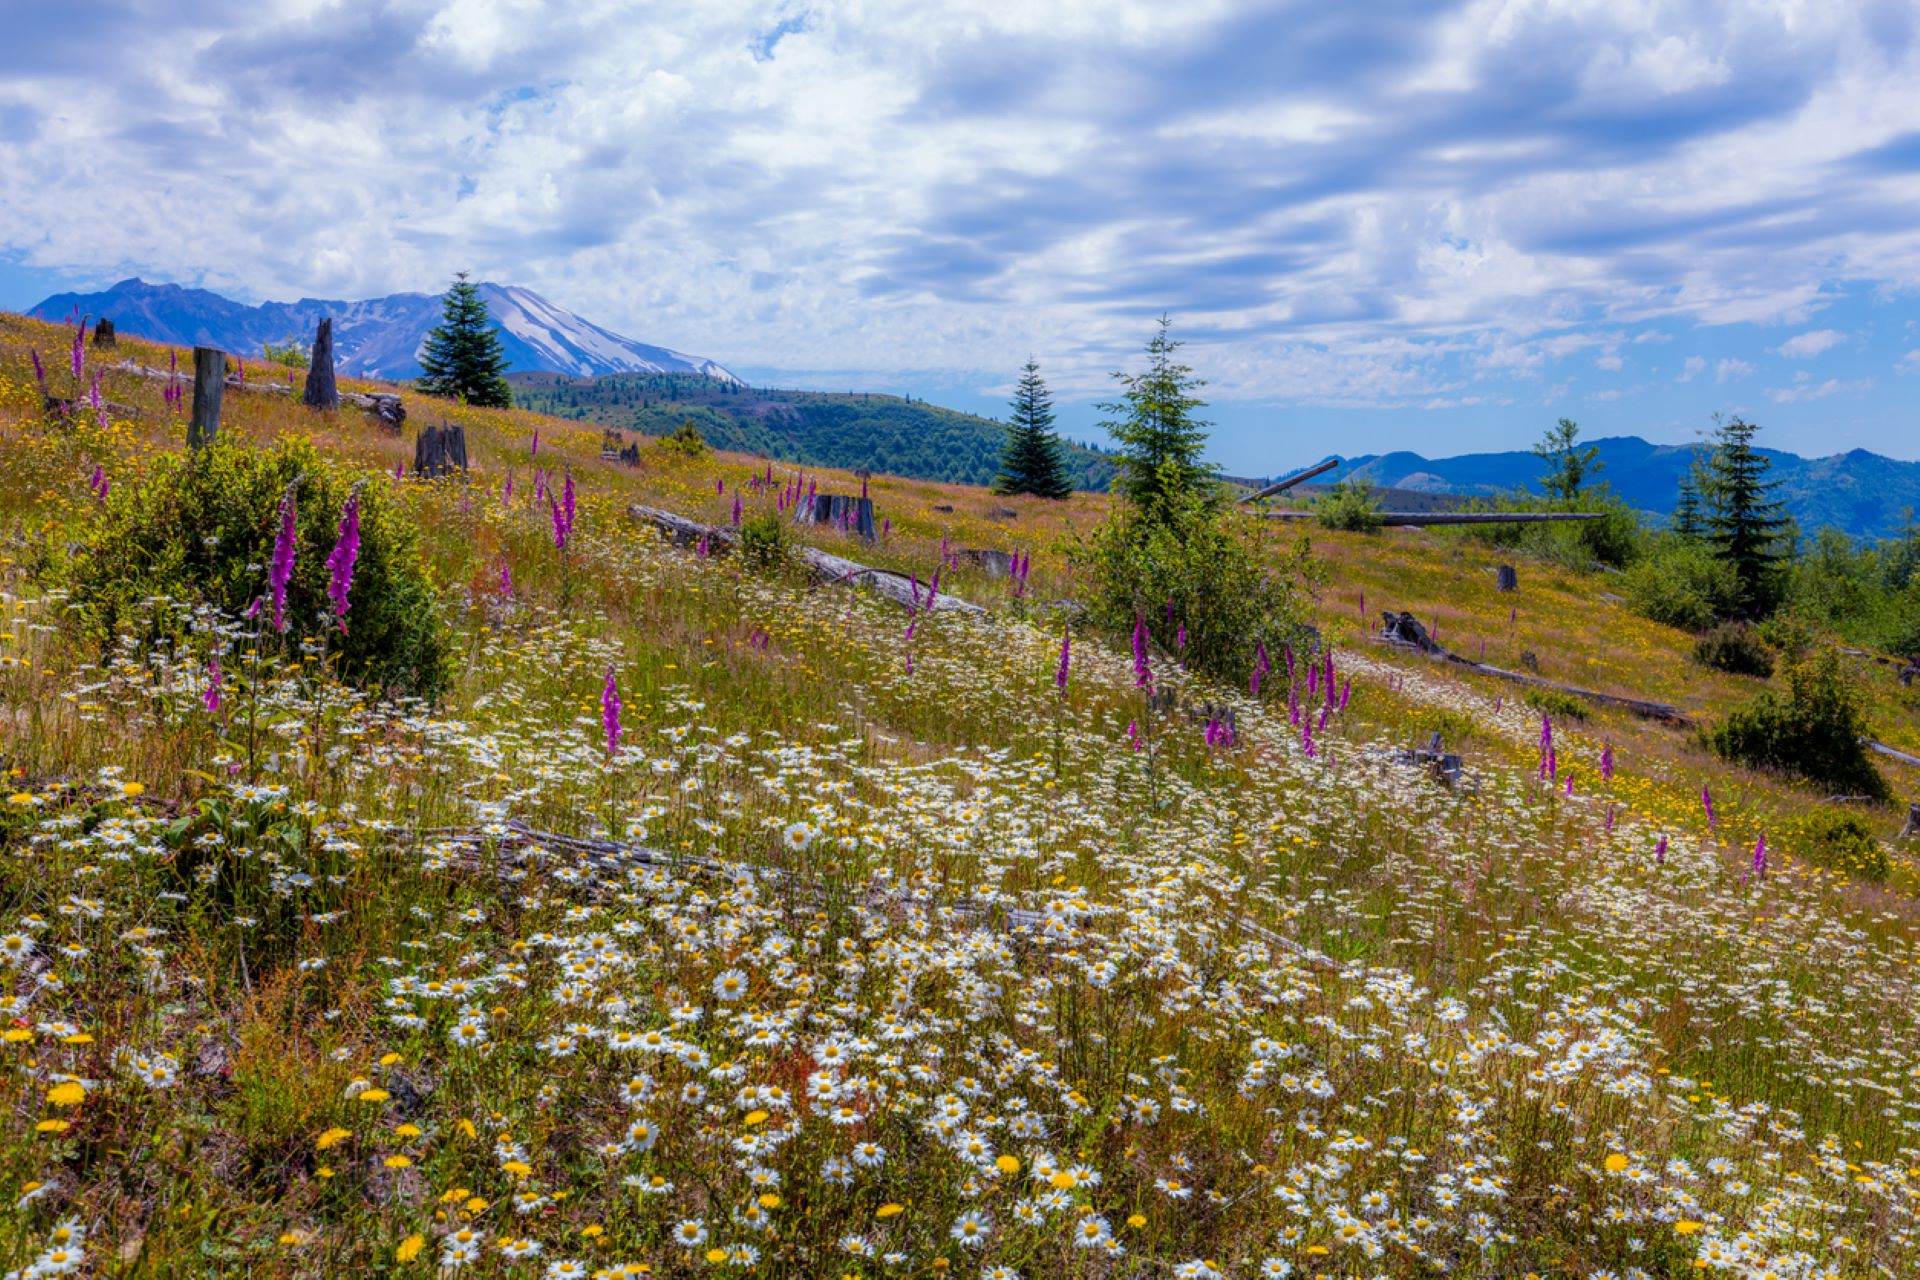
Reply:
x=1031, y=460
x=1572, y=465
x=1687, y=520
x=1161, y=442
x=1744, y=522
x=462, y=358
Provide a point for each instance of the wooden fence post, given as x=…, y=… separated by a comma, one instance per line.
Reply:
x=322, y=391
x=209, y=380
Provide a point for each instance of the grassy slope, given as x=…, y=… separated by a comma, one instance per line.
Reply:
x=850, y=430
x=1474, y=1026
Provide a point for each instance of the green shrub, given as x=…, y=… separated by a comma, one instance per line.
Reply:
x=1349, y=505
x=1735, y=647
x=1680, y=583
x=1837, y=839
x=1613, y=541
x=290, y=354
x=1196, y=567
x=202, y=527
x=1552, y=702
x=1815, y=731
x=685, y=439
x=764, y=540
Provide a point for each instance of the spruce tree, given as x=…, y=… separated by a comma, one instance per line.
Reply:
x=462, y=358
x=1572, y=465
x=1687, y=521
x=1161, y=441
x=1745, y=523
x=1031, y=460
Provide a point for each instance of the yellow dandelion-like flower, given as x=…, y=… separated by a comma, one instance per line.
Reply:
x=331, y=1138
x=410, y=1248
x=68, y=1093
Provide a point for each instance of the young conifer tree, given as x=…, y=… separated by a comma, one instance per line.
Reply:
x=1162, y=472
x=1745, y=524
x=1031, y=461
x=462, y=358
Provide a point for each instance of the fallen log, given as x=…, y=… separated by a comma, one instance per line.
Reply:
x=1299, y=477
x=1404, y=629
x=1427, y=519
x=824, y=565
x=1881, y=748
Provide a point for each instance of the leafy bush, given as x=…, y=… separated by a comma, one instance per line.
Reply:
x=1736, y=648
x=1814, y=732
x=290, y=354
x=764, y=540
x=202, y=527
x=1552, y=702
x=1613, y=540
x=685, y=439
x=1682, y=584
x=1200, y=569
x=1839, y=840
x=1349, y=505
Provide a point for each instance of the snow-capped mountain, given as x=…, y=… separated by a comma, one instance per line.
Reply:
x=376, y=337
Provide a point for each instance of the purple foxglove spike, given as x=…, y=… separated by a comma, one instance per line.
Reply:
x=1325, y=712
x=736, y=510
x=341, y=559
x=1133, y=734
x=280, y=569
x=1306, y=740
x=79, y=357
x=210, y=699
x=1142, y=671
x=1660, y=850
x=1606, y=763
x=506, y=580
x=886, y=528
x=1180, y=637
x=1569, y=782
x=610, y=713
x=1066, y=659
x=39, y=370
x=506, y=491
x=567, y=501
x=1609, y=819
x=534, y=452
x=399, y=471
x=1760, y=858
x=559, y=524
x=1288, y=653
x=1346, y=691
x=719, y=486
x=1706, y=802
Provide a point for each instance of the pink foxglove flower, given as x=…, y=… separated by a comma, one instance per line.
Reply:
x=1066, y=659
x=610, y=713
x=280, y=569
x=211, y=697
x=341, y=559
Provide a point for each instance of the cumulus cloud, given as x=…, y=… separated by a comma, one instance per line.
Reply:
x=1730, y=370
x=1807, y=389
x=1811, y=343
x=1365, y=204
x=1693, y=368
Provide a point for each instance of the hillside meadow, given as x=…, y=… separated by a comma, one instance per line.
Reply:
x=841, y=942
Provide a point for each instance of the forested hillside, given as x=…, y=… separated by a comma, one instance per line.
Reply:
x=855, y=430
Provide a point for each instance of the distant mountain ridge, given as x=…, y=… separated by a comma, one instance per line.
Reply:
x=1862, y=493
x=375, y=337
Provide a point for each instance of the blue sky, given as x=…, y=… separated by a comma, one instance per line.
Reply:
x=1389, y=225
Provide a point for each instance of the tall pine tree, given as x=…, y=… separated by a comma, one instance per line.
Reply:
x=1688, y=521
x=1031, y=461
x=1161, y=441
x=462, y=358
x=1744, y=522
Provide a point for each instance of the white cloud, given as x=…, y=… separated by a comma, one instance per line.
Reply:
x=1693, y=368
x=1800, y=393
x=1730, y=369
x=1811, y=343
x=1908, y=363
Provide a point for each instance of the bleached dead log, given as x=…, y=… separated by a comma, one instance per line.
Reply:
x=1426, y=519
x=1881, y=748
x=824, y=565
x=1405, y=630
x=383, y=405
x=1298, y=477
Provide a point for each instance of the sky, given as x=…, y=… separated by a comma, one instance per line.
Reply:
x=1430, y=226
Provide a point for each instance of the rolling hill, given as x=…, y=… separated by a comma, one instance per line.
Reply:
x=854, y=430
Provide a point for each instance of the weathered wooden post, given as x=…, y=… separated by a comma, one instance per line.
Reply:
x=322, y=392
x=103, y=335
x=1509, y=578
x=209, y=380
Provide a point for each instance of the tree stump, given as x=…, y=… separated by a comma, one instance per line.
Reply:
x=998, y=564
x=322, y=391
x=840, y=510
x=1912, y=830
x=103, y=335
x=1509, y=578
x=1404, y=628
x=209, y=380
x=440, y=450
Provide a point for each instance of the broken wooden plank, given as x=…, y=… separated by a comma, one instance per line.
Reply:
x=1299, y=477
x=824, y=565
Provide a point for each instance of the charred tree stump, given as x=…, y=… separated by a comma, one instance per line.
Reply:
x=1404, y=628
x=103, y=335
x=840, y=511
x=440, y=450
x=998, y=564
x=322, y=391
x=209, y=380
x=1509, y=578
x=1912, y=830
x=1445, y=766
